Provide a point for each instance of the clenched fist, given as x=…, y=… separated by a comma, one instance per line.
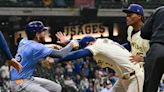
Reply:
x=14, y=63
x=74, y=44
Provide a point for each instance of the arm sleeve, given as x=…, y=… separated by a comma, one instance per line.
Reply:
x=76, y=54
x=4, y=47
x=60, y=53
x=146, y=30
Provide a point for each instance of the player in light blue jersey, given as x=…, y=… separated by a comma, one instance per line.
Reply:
x=30, y=52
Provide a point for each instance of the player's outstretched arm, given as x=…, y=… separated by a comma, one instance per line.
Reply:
x=5, y=49
x=64, y=51
x=146, y=31
x=76, y=55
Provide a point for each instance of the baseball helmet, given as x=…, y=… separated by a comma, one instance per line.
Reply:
x=35, y=26
x=84, y=41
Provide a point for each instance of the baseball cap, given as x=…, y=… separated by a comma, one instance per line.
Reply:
x=135, y=8
x=84, y=41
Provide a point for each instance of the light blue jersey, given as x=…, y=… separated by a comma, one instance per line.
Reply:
x=29, y=54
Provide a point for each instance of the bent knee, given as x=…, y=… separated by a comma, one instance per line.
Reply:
x=59, y=87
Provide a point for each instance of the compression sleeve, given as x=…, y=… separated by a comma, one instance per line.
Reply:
x=76, y=55
x=60, y=53
x=4, y=47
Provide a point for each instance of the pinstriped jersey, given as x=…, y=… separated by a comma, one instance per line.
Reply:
x=108, y=53
x=139, y=46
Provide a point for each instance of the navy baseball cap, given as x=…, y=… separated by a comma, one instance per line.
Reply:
x=135, y=8
x=84, y=41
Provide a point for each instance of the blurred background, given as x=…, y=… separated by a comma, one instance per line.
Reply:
x=101, y=18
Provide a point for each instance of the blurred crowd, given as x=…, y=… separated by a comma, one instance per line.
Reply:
x=81, y=75
x=79, y=3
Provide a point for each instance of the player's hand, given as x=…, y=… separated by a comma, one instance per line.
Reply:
x=62, y=38
x=14, y=63
x=136, y=59
x=47, y=62
x=74, y=44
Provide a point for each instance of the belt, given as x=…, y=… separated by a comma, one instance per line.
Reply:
x=132, y=73
x=128, y=75
x=20, y=81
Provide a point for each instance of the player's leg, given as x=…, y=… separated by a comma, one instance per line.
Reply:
x=156, y=75
x=48, y=84
x=27, y=86
x=156, y=57
x=34, y=88
x=118, y=87
x=136, y=82
x=147, y=68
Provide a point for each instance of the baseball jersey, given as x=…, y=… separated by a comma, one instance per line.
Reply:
x=108, y=53
x=139, y=46
x=28, y=54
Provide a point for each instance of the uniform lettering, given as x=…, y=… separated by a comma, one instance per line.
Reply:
x=18, y=57
x=139, y=49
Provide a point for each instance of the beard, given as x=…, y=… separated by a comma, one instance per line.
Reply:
x=41, y=39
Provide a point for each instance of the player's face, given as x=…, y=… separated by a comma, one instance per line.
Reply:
x=109, y=86
x=41, y=36
x=133, y=19
x=91, y=43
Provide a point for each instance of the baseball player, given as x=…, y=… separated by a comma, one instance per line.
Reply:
x=113, y=55
x=139, y=46
x=5, y=49
x=30, y=52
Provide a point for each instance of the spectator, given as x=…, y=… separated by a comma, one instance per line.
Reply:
x=90, y=88
x=47, y=3
x=60, y=3
x=69, y=82
x=85, y=70
x=108, y=86
x=19, y=38
x=69, y=68
x=84, y=84
x=98, y=85
x=78, y=65
x=59, y=70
